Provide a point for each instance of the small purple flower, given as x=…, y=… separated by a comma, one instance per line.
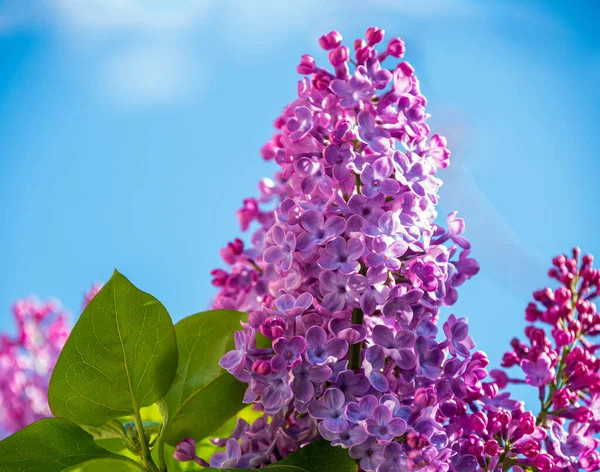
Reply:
x=319, y=231
x=339, y=157
x=388, y=225
x=383, y=425
x=414, y=175
x=431, y=363
x=379, y=76
x=342, y=255
x=457, y=332
x=235, y=361
x=394, y=460
x=300, y=124
x=291, y=306
x=282, y=251
x=398, y=346
x=321, y=350
x=456, y=227
x=351, y=384
x=287, y=352
x=375, y=136
x=400, y=303
x=276, y=391
x=424, y=274
x=367, y=208
x=373, y=363
x=353, y=91
x=352, y=436
x=540, y=372
x=376, y=179
x=339, y=291
x=386, y=251
x=370, y=454
x=373, y=288
x=330, y=409
x=359, y=412
x=186, y=451
x=229, y=458
x=304, y=376
x=312, y=176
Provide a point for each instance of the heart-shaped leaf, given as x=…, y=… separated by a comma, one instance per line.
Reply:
x=319, y=456
x=52, y=445
x=203, y=395
x=120, y=356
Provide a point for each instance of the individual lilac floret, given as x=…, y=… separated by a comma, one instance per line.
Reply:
x=376, y=136
x=383, y=425
x=339, y=157
x=393, y=459
x=301, y=124
x=352, y=436
x=276, y=391
x=457, y=332
x=338, y=291
x=305, y=376
x=374, y=362
x=186, y=452
x=287, y=353
x=539, y=372
x=352, y=92
x=386, y=252
x=398, y=346
x=235, y=361
x=376, y=179
x=291, y=306
x=330, y=409
x=229, y=458
x=351, y=384
x=318, y=231
x=320, y=350
x=361, y=411
x=342, y=255
x=282, y=251
x=374, y=288
x=370, y=454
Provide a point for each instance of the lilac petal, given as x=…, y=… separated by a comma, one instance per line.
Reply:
x=382, y=415
x=285, y=302
x=404, y=339
x=379, y=382
x=334, y=226
x=297, y=345
x=336, y=348
x=304, y=301
x=316, y=336
x=334, y=399
x=354, y=248
x=273, y=254
x=303, y=389
x=278, y=363
x=319, y=373
x=271, y=397
x=397, y=427
x=335, y=425
x=328, y=262
x=383, y=336
x=375, y=356
x=348, y=267
x=405, y=359
x=460, y=331
x=278, y=235
x=466, y=463
x=306, y=241
x=231, y=359
x=318, y=410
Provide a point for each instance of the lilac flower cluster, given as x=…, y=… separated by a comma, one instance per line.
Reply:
x=27, y=360
x=560, y=362
x=345, y=277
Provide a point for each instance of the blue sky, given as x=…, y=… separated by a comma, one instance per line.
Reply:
x=130, y=130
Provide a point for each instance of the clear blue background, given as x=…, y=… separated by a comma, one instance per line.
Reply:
x=130, y=130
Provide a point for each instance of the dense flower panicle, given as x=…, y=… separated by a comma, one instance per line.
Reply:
x=559, y=358
x=27, y=360
x=345, y=276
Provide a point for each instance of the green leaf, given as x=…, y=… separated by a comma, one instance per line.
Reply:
x=203, y=395
x=316, y=457
x=120, y=356
x=50, y=445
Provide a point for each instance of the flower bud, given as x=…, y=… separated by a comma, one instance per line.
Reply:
x=330, y=40
x=374, y=35
x=261, y=367
x=544, y=462
x=528, y=447
x=307, y=65
x=185, y=451
x=395, y=47
x=492, y=447
x=425, y=397
x=339, y=56
x=527, y=422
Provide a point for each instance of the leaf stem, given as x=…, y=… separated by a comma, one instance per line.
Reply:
x=162, y=465
x=145, y=449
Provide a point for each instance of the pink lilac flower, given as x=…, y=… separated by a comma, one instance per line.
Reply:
x=347, y=256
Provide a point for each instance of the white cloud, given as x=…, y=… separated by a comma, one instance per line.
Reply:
x=149, y=74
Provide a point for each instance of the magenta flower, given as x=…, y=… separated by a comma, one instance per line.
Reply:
x=375, y=136
x=376, y=179
x=282, y=251
x=320, y=350
x=331, y=410
x=386, y=251
x=318, y=231
x=342, y=255
x=370, y=454
x=300, y=124
x=358, y=88
x=305, y=376
x=339, y=157
x=287, y=353
x=539, y=372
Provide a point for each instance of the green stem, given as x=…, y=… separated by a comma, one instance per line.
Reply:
x=162, y=465
x=145, y=449
x=358, y=183
x=354, y=357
